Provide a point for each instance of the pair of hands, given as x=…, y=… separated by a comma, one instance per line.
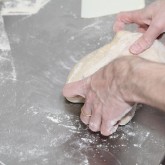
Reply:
x=110, y=92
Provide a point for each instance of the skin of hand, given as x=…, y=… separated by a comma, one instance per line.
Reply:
x=151, y=23
x=111, y=91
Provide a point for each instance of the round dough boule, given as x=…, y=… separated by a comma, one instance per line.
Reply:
x=92, y=62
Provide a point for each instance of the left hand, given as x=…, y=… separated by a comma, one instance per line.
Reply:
x=150, y=21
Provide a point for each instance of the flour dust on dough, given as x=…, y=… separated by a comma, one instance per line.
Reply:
x=92, y=62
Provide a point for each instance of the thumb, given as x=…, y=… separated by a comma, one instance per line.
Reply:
x=128, y=17
x=75, y=89
x=146, y=40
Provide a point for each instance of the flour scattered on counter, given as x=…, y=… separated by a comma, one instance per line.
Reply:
x=95, y=25
x=22, y=7
x=124, y=133
x=7, y=67
x=73, y=59
x=1, y=163
x=72, y=139
x=63, y=120
x=64, y=65
x=53, y=119
x=4, y=41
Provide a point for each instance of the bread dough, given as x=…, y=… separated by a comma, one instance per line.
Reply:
x=92, y=62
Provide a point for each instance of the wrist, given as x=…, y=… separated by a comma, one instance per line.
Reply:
x=144, y=82
x=132, y=71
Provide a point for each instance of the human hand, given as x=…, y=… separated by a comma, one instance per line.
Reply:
x=105, y=101
x=151, y=22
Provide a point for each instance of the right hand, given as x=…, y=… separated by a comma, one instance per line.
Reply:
x=108, y=94
x=151, y=22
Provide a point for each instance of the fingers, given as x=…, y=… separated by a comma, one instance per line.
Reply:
x=146, y=40
x=127, y=18
x=151, y=25
x=95, y=120
x=108, y=129
x=86, y=111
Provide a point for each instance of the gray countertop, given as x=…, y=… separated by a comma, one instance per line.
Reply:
x=37, y=125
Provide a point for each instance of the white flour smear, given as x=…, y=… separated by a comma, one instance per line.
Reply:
x=73, y=140
x=7, y=68
x=22, y=7
x=13, y=7
x=73, y=134
x=4, y=42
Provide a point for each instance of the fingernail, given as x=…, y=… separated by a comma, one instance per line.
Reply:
x=84, y=120
x=93, y=127
x=135, y=49
x=106, y=132
x=113, y=129
x=113, y=122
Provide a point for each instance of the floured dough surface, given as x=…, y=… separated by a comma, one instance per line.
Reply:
x=92, y=62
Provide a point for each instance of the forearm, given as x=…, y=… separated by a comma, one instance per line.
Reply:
x=147, y=84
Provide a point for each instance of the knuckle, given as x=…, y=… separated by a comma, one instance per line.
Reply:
x=119, y=16
x=145, y=42
x=106, y=119
x=90, y=97
x=97, y=108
